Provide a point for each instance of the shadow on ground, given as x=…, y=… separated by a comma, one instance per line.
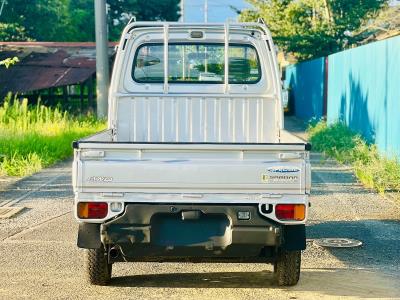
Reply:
x=332, y=282
x=200, y=280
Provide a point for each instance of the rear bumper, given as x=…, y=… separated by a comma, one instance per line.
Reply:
x=169, y=232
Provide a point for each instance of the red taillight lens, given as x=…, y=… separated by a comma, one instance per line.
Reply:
x=290, y=212
x=92, y=210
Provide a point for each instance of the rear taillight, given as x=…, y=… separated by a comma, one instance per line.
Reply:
x=92, y=210
x=290, y=212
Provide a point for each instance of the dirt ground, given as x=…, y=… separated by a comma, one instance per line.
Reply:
x=39, y=258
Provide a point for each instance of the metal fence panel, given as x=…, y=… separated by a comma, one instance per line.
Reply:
x=306, y=88
x=364, y=92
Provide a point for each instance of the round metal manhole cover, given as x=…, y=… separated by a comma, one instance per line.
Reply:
x=338, y=243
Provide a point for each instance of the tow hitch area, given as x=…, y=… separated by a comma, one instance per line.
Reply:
x=151, y=231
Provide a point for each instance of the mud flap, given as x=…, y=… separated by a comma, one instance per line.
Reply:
x=294, y=237
x=89, y=236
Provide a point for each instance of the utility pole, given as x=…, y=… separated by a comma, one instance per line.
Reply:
x=102, y=63
x=205, y=11
x=182, y=11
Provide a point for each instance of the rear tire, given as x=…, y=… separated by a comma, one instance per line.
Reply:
x=287, y=267
x=98, y=270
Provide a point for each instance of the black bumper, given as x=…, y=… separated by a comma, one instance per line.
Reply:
x=169, y=232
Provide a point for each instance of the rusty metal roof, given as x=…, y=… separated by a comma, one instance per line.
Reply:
x=40, y=69
x=55, y=44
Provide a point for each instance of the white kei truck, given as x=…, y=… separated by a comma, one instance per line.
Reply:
x=195, y=165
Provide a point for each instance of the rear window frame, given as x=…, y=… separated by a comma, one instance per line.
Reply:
x=260, y=73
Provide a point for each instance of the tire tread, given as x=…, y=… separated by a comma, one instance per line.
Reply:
x=287, y=267
x=98, y=270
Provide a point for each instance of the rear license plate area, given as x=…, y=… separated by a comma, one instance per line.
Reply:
x=211, y=230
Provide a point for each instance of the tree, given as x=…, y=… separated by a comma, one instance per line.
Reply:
x=81, y=19
x=73, y=20
x=80, y=25
x=312, y=28
x=382, y=25
x=120, y=12
x=42, y=19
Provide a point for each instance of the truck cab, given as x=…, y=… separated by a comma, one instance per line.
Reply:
x=195, y=164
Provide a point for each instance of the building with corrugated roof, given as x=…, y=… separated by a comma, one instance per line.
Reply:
x=55, y=72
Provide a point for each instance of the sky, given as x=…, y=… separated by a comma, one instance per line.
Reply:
x=218, y=10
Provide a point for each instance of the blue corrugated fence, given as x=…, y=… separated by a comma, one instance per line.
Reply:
x=305, y=82
x=363, y=90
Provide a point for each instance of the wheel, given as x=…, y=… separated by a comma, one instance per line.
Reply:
x=98, y=270
x=287, y=267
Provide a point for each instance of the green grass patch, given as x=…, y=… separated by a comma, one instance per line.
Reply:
x=372, y=169
x=34, y=137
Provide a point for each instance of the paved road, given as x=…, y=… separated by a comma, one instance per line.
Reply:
x=39, y=259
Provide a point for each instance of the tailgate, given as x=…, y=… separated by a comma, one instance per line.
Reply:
x=186, y=168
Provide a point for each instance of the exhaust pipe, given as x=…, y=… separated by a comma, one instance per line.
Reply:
x=114, y=252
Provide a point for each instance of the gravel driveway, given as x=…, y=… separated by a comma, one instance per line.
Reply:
x=39, y=258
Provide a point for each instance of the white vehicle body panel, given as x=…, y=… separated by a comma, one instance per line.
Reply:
x=183, y=167
x=193, y=143
x=212, y=119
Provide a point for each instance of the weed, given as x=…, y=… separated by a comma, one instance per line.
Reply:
x=372, y=168
x=33, y=137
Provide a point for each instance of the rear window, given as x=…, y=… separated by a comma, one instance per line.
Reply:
x=196, y=63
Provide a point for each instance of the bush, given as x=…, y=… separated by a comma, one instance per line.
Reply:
x=12, y=32
x=34, y=137
x=372, y=169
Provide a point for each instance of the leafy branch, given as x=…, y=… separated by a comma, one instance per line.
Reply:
x=9, y=62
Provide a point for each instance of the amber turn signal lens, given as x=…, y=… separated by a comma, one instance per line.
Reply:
x=290, y=212
x=92, y=210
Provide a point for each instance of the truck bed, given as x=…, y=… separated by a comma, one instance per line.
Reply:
x=190, y=168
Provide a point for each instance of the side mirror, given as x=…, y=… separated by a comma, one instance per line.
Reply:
x=283, y=74
x=151, y=62
x=147, y=61
x=285, y=99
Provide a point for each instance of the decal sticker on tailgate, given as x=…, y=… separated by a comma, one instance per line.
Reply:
x=281, y=175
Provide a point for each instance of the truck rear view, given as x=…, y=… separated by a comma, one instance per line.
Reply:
x=194, y=165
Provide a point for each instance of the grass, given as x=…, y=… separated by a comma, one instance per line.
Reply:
x=372, y=168
x=34, y=137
